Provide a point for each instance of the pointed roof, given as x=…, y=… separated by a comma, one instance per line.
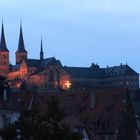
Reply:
x=3, y=47
x=41, y=49
x=21, y=47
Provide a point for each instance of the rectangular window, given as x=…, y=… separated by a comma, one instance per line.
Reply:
x=5, y=95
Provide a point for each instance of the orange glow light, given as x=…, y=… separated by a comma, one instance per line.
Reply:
x=68, y=84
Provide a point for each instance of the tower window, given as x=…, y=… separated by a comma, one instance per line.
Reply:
x=4, y=56
x=4, y=63
x=5, y=95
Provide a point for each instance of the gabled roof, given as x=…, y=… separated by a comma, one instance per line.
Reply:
x=15, y=67
x=119, y=70
x=47, y=61
x=33, y=62
x=42, y=63
x=37, y=63
x=51, y=61
x=3, y=47
x=10, y=106
x=21, y=100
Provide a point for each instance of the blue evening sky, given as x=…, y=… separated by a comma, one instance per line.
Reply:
x=78, y=32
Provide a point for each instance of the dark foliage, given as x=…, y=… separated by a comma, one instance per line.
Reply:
x=9, y=132
x=36, y=125
x=127, y=129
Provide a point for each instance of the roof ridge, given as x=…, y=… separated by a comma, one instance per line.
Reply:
x=75, y=67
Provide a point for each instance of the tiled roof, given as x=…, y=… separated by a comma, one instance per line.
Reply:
x=80, y=72
x=78, y=105
x=51, y=61
x=105, y=116
x=37, y=63
x=39, y=72
x=97, y=72
x=33, y=62
x=10, y=106
x=42, y=63
x=17, y=101
x=15, y=67
x=119, y=70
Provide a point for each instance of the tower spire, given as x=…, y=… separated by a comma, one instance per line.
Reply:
x=4, y=54
x=21, y=47
x=41, y=50
x=3, y=47
x=21, y=53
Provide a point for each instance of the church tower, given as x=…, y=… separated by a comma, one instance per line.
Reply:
x=21, y=53
x=4, y=54
x=41, y=51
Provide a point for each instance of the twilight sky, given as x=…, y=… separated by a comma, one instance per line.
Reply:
x=78, y=32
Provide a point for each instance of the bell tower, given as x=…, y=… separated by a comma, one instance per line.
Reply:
x=21, y=53
x=4, y=54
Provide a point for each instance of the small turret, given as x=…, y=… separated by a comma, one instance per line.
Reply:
x=41, y=51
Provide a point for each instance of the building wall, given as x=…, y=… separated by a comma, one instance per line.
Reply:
x=65, y=77
x=38, y=81
x=4, y=63
x=129, y=81
x=55, y=76
x=20, y=56
x=13, y=75
x=125, y=81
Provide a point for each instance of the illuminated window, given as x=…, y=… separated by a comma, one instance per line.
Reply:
x=68, y=84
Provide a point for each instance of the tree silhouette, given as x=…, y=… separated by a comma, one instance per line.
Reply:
x=9, y=132
x=128, y=126
x=35, y=124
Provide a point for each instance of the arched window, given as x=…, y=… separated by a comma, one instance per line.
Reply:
x=51, y=78
x=4, y=56
x=57, y=73
x=4, y=63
